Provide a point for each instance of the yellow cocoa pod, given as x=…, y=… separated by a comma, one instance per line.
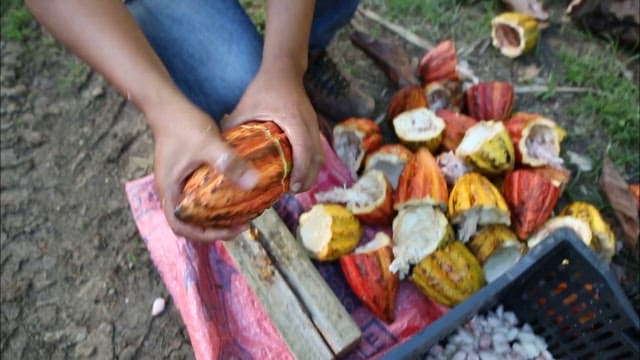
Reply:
x=497, y=248
x=514, y=33
x=474, y=201
x=488, y=147
x=449, y=275
x=603, y=241
x=329, y=231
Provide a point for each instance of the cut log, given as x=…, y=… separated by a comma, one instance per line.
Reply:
x=326, y=311
x=282, y=306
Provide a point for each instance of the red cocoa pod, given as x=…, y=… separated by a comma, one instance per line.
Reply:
x=407, y=98
x=210, y=199
x=422, y=182
x=367, y=273
x=492, y=100
x=439, y=63
x=531, y=196
x=456, y=124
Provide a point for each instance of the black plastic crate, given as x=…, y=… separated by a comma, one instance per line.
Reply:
x=564, y=291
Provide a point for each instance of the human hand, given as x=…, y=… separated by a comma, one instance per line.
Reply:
x=186, y=139
x=279, y=96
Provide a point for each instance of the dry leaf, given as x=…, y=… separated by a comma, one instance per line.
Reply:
x=622, y=201
x=527, y=73
x=530, y=7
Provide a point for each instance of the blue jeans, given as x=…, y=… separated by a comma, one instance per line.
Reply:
x=212, y=49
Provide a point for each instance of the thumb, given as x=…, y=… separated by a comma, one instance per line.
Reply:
x=227, y=161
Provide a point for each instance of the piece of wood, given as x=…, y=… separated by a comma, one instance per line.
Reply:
x=281, y=304
x=397, y=29
x=529, y=89
x=326, y=311
x=390, y=57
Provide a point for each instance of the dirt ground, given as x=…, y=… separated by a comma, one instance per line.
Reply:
x=77, y=281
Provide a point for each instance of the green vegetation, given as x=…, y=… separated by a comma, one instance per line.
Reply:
x=255, y=9
x=443, y=18
x=612, y=105
x=17, y=22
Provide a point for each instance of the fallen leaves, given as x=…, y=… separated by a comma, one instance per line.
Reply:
x=623, y=203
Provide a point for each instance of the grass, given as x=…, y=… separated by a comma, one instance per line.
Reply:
x=16, y=20
x=612, y=106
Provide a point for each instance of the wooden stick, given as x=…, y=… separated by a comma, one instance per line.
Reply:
x=397, y=29
x=283, y=307
x=527, y=89
x=326, y=311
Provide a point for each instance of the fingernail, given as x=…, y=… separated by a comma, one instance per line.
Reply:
x=296, y=187
x=249, y=179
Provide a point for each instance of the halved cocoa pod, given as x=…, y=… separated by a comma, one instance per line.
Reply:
x=355, y=138
x=452, y=167
x=456, y=124
x=488, y=148
x=449, y=275
x=210, y=199
x=370, y=199
x=390, y=159
x=492, y=100
x=514, y=33
x=580, y=227
x=328, y=231
x=421, y=183
x=531, y=197
x=536, y=139
x=419, y=127
x=417, y=232
x=497, y=248
x=407, y=98
x=474, y=201
x=367, y=273
x=443, y=95
x=440, y=63
x=604, y=241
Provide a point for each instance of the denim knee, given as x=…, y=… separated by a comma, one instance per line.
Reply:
x=211, y=48
x=329, y=17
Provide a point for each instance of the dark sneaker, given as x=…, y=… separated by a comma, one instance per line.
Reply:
x=332, y=94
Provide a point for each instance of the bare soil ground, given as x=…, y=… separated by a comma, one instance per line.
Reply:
x=76, y=279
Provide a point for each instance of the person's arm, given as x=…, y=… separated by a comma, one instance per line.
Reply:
x=277, y=93
x=105, y=35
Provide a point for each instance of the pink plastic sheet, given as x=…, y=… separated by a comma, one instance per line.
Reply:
x=223, y=317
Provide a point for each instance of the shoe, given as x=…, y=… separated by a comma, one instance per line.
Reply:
x=331, y=93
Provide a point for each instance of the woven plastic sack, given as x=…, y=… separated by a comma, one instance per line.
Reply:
x=223, y=317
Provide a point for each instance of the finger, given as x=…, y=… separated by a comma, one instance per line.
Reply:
x=307, y=159
x=233, y=166
x=196, y=233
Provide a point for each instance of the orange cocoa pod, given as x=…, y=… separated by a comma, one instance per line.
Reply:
x=354, y=139
x=456, y=124
x=443, y=95
x=531, y=196
x=422, y=182
x=390, y=159
x=492, y=100
x=536, y=139
x=407, y=98
x=439, y=63
x=367, y=273
x=210, y=199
